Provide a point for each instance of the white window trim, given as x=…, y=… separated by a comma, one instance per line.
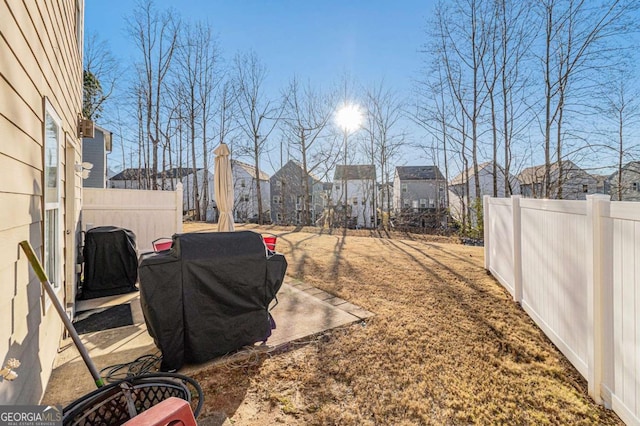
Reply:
x=56, y=280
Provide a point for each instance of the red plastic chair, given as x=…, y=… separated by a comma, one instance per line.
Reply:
x=270, y=241
x=162, y=244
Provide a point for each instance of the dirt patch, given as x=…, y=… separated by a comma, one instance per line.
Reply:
x=447, y=344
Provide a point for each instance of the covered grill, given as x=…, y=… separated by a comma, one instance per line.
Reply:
x=110, y=262
x=209, y=294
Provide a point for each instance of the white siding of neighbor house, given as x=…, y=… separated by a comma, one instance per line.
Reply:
x=40, y=59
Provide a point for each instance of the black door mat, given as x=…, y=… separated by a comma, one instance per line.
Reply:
x=103, y=319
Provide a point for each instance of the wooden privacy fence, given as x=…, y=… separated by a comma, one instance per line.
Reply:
x=574, y=266
x=149, y=214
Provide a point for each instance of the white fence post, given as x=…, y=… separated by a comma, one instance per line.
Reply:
x=485, y=222
x=179, y=198
x=517, y=248
x=595, y=241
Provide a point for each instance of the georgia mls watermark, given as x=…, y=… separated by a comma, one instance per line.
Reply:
x=30, y=415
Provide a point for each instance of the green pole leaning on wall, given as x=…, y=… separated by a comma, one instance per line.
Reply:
x=42, y=276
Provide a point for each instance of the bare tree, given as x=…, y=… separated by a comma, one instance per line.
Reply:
x=577, y=39
x=209, y=80
x=516, y=34
x=621, y=112
x=385, y=138
x=155, y=35
x=305, y=117
x=257, y=114
x=100, y=75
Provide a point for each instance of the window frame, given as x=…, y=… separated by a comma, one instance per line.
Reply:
x=52, y=238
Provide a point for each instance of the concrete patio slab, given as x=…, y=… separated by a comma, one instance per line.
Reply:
x=302, y=311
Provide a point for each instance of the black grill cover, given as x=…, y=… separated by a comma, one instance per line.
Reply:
x=110, y=262
x=209, y=294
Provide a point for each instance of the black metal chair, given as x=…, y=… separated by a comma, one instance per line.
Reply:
x=118, y=402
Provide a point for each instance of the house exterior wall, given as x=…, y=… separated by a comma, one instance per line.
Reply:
x=288, y=192
x=630, y=188
x=40, y=75
x=413, y=191
x=458, y=198
x=360, y=194
x=245, y=197
x=94, y=152
x=576, y=184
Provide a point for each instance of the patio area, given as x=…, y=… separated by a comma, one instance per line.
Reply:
x=302, y=311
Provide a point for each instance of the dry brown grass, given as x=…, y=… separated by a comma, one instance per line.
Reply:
x=447, y=345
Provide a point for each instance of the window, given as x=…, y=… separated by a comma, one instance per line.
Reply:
x=406, y=203
x=585, y=188
x=52, y=230
x=278, y=184
x=423, y=203
x=432, y=202
x=636, y=186
x=279, y=217
x=354, y=201
x=245, y=198
x=404, y=187
x=277, y=199
x=243, y=184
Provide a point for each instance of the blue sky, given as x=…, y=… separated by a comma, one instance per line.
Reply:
x=319, y=41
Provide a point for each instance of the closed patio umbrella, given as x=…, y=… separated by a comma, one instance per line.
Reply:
x=223, y=185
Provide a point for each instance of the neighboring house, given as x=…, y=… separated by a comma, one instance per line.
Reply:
x=575, y=184
x=418, y=195
x=40, y=191
x=458, y=200
x=245, y=198
x=627, y=188
x=138, y=179
x=94, y=152
x=288, y=194
x=132, y=178
x=359, y=183
x=179, y=174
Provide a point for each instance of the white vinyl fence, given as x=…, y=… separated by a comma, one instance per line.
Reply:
x=149, y=214
x=574, y=266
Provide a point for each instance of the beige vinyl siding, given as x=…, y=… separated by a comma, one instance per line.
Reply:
x=40, y=59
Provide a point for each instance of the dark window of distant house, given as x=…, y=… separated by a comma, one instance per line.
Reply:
x=585, y=188
x=636, y=186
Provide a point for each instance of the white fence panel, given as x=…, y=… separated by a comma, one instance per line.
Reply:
x=149, y=214
x=574, y=268
x=501, y=228
x=554, y=274
x=625, y=218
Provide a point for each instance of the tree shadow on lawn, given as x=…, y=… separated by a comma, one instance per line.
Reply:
x=479, y=304
x=225, y=384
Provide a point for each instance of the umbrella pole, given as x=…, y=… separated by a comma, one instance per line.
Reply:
x=42, y=276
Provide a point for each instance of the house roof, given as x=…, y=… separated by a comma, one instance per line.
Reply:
x=355, y=172
x=461, y=178
x=249, y=169
x=633, y=166
x=535, y=174
x=419, y=173
x=298, y=165
x=179, y=172
x=133, y=173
